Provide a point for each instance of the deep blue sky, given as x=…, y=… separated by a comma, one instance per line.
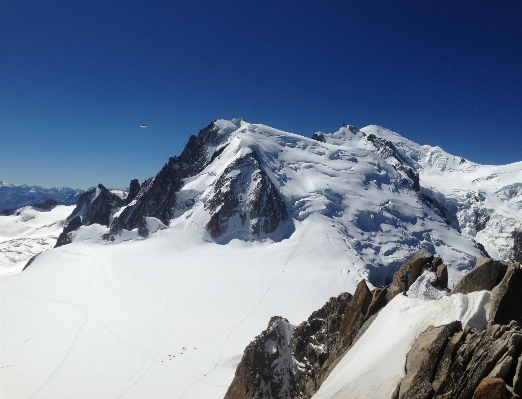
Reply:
x=77, y=78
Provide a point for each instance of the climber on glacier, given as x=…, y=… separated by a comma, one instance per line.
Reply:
x=405, y=280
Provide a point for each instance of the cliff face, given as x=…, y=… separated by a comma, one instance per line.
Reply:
x=157, y=196
x=244, y=201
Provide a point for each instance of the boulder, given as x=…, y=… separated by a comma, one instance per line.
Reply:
x=486, y=274
x=422, y=361
x=507, y=297
x=492, y=388
x=442, y=275
x=414, y=264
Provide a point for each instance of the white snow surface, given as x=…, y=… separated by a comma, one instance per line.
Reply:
x=375, y=365
x=27, y=233
x=169, y=316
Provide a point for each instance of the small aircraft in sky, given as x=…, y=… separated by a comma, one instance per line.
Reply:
x=143, y=126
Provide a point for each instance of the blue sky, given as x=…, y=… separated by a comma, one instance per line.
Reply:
x=77, y=78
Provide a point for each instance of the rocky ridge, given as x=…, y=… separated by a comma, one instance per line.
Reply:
x=96, y=206
x=448, y=361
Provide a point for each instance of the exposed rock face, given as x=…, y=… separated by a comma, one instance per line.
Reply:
x=442, y=275
x=134, y=189
x=319, y=136
x=455, y=362
x=245, y=201
x=422, y=361
x=47, y=205
x=266, y=369
x=94, y=206
x=157, y=196
x=316, y=345
x=65, y=236
x=507, y=297
x=517, y=247
x=414, y=264
x=385, y=148
x=486, y=274
x=355, y=311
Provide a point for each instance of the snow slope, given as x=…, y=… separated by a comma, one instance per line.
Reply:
x=375, y=365
x=27, y=233
x=168, y=316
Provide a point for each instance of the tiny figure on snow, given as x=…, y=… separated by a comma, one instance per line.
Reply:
x=405, y=280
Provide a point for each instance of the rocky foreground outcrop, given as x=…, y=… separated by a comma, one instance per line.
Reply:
x=449, y=361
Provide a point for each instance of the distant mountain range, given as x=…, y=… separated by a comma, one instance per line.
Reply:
x=14, y=196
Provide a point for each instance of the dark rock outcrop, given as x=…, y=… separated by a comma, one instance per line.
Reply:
x=486, y=274
x=157, y=196
x=415, y=263
x=30, y=261
x=65, y=236
x=47, y=205
x=266, y=369
x=134, y=189
x=317, y=344
x=517, y=246
x=455, y=363
x=245, y=201
x=319, y=136
x=95, y=206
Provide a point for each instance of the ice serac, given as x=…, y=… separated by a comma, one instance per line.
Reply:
x=96, y=206
x=245, y=203
x=157, y=196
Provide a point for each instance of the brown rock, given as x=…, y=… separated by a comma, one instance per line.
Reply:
x=414, y=264
x=355, y=311
x=492, y=388
x=486, y=274
x=422, y=360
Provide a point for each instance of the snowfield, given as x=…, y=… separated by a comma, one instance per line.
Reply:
x=28, y=233
x=168, y=316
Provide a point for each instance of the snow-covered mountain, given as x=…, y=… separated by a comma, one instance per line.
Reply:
x=14, y=196
x=158, y=295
